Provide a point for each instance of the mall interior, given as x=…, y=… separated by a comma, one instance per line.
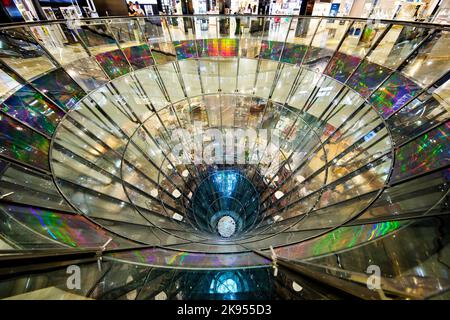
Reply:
x=224, y=150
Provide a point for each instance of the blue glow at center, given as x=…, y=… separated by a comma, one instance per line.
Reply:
x=225, y=182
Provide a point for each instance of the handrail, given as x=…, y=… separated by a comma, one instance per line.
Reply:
x=353, y=283
x=13, y=265
x=202, y=16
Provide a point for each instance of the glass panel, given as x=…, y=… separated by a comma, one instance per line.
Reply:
x=187, y=27
x=139, y=56
x=180, y=259
x=29, y=106
x=397, y=44
x=61, y=88
x=60, y=41
x=336, y=214
x=136, y=232
x=409, y=256
x=127, y=32
x=308, y=80
x=431, y=60
x=96, y=37
x=171, y=81
x=185, y=49
x=339, y=239
x=21, y=237
x=361, y=37
x=247, y=75
x=428, y=152
x=8, y=82
x=128, y=93
x=229, y=47
x=208, y=48
x=163, y=52
x=424, y=195
x=87, y=73
x=367, y=78
x=149, y=82
x=342, y=66
x=325, y=42
x=205, y=27
x=23, y=144
x=23, y=54
x=271, y=50
x=52, y=284
x=113, y=63
x=393, y=94
x=209, y=73
x=293, y=53
x=302, y=30
x=427, y=110
x=265, y=78
x=31, y=188
x=69, y=229
x=228, y=73
x=189, y=70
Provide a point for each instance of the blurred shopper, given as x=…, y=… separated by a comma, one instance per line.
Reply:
x=131, y=11
x=277, y=20
x=138, y=9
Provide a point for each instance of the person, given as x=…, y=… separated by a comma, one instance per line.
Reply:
x=249, y=9
x=131, y=11
x=277, y=20
x=254, y=9
x=138, y=9
x=232, y=27
x=238, y=25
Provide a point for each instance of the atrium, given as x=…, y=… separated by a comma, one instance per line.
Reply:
x=242, y=157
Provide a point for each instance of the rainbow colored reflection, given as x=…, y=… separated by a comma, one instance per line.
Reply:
x=181, y=259
x=428, y=152
x=208, y=47
x=271, y=50
x=113, y=63
x=29, y=106
x=339, y=239
x=422, y=113
x=185, y=49
x=341, y=66
x=139, y=56
x=229, y=47
x=393, y=94
x=293, y=53
x=23, y=144
x=61, y=88
x=367, y=78
x=70, y=229
x=225, y=47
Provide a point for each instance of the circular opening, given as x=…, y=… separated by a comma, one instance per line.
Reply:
x=226, y=226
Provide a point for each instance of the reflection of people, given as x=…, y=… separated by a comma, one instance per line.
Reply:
x=232, y=27
x=238, y=25
x=277, y=20
x=138, y=9
x=131, y=11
